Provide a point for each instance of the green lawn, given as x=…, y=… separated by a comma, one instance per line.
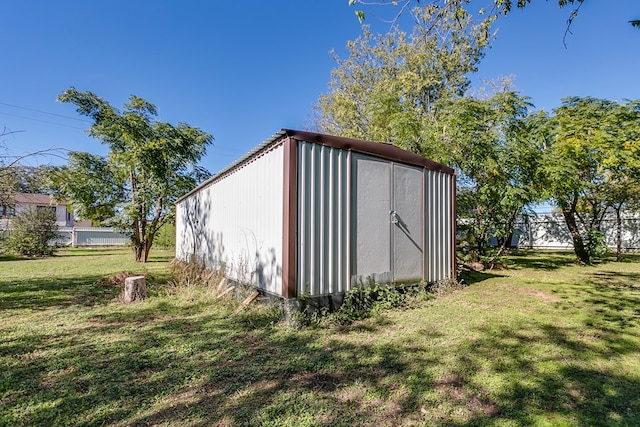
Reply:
x=543, y=343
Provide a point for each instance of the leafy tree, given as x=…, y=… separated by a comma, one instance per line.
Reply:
x=595, y=151
x=32, y=233
x=622, y=164
x=500, y=7
x=149, y=166
x=390, y=86
x=492, y=145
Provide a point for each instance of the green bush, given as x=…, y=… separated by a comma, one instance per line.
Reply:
x=33, y=233
x=596, y=245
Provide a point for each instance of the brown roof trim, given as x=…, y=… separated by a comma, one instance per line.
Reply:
x=378, y=149
x=289, y=218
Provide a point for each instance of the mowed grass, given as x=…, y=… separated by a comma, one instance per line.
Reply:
x=545, y=342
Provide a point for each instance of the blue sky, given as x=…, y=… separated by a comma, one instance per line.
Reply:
x=242, y=70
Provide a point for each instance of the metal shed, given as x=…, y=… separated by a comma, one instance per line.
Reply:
x=307, y=214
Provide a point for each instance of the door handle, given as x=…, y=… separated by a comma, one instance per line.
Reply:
x=394, y=217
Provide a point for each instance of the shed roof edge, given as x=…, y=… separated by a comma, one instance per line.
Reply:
x=383, y=150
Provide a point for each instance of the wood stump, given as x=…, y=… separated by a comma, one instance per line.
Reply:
x=134, y=289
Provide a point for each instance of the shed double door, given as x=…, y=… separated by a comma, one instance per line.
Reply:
x=388, y=221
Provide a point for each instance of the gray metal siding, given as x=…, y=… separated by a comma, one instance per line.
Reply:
x=323, y=220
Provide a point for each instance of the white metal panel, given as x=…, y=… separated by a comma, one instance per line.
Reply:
x=236, y=223
x=323, y=220
x=439, y=227
x=98, y=236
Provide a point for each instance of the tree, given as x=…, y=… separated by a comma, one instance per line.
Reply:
x=492, y=145
x=390, y=86
x=622, y=165
x=33, y=232
x=149, y=166
x=500, y=7
x=595, y=151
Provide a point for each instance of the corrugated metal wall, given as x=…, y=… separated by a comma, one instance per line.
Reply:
x=325, y=213
x=439, y=225
x=95, y=236
x=236, y=222
x=323, y=220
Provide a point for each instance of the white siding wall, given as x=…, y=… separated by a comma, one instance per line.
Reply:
x=323, y=220
x=237, y=223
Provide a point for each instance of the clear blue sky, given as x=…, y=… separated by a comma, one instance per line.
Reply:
x=242, y=70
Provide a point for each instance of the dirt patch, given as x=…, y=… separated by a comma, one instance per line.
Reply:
x=118, y=278
x=540, y=294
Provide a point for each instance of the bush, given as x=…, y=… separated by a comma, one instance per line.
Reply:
x=33, y=233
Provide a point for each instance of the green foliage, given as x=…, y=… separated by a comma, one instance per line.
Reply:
x=33, y=232
x=500, y=7
x=389, y=87
x=596, y=245
x=363, y=302
x=592, y=163
x=166, y=236
x=491, y=143
x=149, y=166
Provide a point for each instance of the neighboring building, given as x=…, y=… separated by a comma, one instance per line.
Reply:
x=26, y=201
x=311, y=215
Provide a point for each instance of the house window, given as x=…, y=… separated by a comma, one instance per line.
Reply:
x=51, y=209
x=7, y=211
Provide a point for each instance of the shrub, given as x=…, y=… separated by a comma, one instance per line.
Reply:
x=33, y=233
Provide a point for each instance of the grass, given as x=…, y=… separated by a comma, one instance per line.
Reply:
x=544, y=342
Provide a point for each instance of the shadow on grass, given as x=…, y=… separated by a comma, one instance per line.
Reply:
x=474, y=277
x=168, y=363
x=42, y=294
x=543, y=260
x=9, y=257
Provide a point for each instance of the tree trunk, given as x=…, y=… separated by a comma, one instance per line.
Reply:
x=578, y=244
x=134, y=289
x=138, y=251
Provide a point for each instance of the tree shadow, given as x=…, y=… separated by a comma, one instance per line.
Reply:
x=167, y=362
x=41, y=294
x=541, y=260
x=475, y=277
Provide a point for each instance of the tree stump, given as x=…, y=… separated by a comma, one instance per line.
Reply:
x=134, y=289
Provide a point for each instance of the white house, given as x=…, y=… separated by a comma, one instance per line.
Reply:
x=26, y=201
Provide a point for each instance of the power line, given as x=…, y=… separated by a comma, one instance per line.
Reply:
x=44, y=112
x=39, y=120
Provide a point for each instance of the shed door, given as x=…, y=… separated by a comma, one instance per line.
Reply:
x=371, y=226
x=387, y=221
x=407, y=223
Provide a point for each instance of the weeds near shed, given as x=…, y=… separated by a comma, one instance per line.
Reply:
x=194, y=281
x=366, y=301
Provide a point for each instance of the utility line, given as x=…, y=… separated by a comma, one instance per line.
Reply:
x=39, y=120
x=44, y=112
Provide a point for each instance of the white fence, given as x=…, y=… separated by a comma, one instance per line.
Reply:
x=549, y=231
x=90, y=236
